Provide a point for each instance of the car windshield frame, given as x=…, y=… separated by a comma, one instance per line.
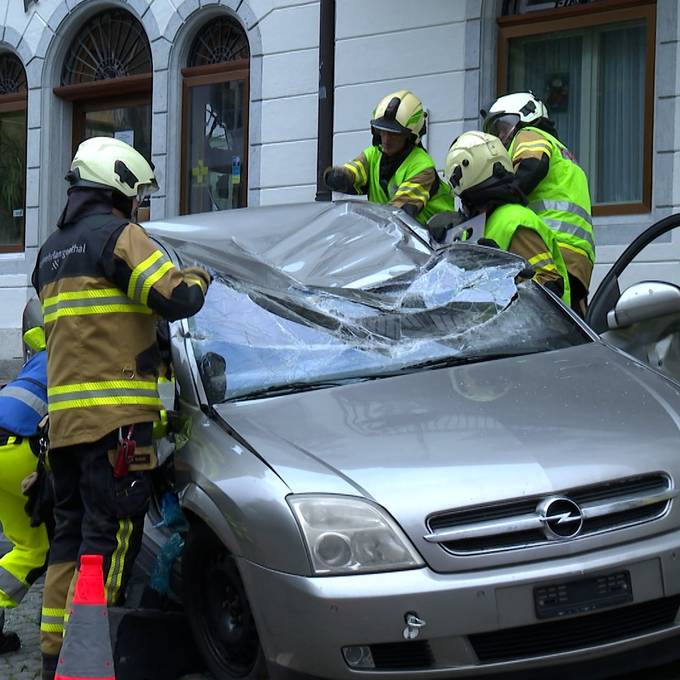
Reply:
x=365, y=328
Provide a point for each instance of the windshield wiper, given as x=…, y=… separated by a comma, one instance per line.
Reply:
x=287, y=388
x=448, y=362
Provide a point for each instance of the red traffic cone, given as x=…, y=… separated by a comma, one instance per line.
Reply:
x=86, y=653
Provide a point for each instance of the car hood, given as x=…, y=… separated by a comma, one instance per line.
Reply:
x=471, y=434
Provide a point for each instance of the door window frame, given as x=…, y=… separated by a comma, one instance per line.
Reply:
x=587, y=16
x=12, y=103
x=213, y=74
x=101, y=95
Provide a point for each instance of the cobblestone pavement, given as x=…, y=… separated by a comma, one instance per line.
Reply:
x=24, y=620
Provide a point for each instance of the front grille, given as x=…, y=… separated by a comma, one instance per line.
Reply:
x=402, y=655
x=516, y=524
x=569, y=634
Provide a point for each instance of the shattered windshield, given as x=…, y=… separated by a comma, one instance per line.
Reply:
x=357, y=295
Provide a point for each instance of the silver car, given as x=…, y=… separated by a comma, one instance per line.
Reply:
x=417, y=463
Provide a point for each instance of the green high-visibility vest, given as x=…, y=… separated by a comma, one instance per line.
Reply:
x=417, y=161
x=562, y=200
x=506, y=220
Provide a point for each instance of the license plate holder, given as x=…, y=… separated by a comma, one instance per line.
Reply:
x=583, y=595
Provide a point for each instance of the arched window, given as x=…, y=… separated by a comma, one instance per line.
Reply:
x=215, y=119
x=12, y=153
x=107, y=76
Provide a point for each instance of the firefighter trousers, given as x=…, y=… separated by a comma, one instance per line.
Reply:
x=95, y=513
x=25, y=562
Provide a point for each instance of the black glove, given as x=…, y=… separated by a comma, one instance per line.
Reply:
x=336, y=179
x=488, y=242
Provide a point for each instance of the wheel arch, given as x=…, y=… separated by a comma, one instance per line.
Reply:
x=197, y=503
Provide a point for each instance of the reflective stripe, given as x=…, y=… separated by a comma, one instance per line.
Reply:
x=52, y=620
x=143, y=272
x=153, y=277
x=53, y=612
x=532, y=147
x=12, y=586
x=543, y=264
x=414, y=190
x=51, y=627
x=31, y=400
x=96, y=394
x=105, y=393
x=102, y=385
x=360, y=170
x=197, y=280
x=569, y=228
x=97, y=301
x=568, y=246
x=564, y=206
x=541, y=260
x=115, y=576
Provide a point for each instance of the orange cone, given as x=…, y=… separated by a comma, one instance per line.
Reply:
x=86, y=653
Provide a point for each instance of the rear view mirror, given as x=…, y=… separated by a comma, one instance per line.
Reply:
x=644, y=301
x=213, y=370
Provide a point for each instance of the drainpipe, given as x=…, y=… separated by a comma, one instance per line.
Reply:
x=324, y=154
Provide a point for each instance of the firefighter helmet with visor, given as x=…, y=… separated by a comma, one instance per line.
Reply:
x=401, y=112
x=476, y=158
x=109, y=163
x=512, y=112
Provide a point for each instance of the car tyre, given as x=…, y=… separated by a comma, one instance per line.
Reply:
x=218, y=610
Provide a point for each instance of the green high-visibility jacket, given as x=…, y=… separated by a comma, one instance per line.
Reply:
x=417, y=161
x=562, y=199
x=501, y=226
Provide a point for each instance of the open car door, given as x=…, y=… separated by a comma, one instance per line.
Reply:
x=643, y=318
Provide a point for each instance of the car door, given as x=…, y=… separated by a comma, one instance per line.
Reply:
x=637, y=305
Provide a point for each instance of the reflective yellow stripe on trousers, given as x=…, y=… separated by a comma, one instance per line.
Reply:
x=52, y=620
x=104, y=393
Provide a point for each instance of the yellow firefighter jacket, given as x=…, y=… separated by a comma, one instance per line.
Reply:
x=103, y=283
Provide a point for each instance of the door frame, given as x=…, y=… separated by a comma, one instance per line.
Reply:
x=608, y=292
x=213, y=74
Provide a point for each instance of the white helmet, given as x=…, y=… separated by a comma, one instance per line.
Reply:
x=510, y=113
x=400, y=112
x=475, y=158
x=108, y=163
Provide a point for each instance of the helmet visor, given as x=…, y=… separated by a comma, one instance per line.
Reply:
x=388, y=125
x=502, y=125
x=145, y=190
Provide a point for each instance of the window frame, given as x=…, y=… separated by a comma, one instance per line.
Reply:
x=213, y=74
x=587, y=16
x=11, y=103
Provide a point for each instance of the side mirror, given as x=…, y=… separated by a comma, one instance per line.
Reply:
x=644, y=301
x=213, y=370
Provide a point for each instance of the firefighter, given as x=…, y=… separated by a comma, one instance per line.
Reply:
x=395, y=169
x=102, y=283
x=556, y=186
x=480, y=171
x=23, y=405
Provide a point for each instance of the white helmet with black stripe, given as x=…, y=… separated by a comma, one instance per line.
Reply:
x=510, y=113
x=108, y=163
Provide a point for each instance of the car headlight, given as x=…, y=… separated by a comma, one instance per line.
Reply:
x=346, y=535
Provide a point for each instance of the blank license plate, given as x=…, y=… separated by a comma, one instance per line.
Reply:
x=584, y=595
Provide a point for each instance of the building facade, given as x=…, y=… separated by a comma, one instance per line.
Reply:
x=224, y=97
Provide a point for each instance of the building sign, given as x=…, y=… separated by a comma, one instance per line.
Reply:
x=511, y=7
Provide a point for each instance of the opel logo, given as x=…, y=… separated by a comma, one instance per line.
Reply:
x=561, y=518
